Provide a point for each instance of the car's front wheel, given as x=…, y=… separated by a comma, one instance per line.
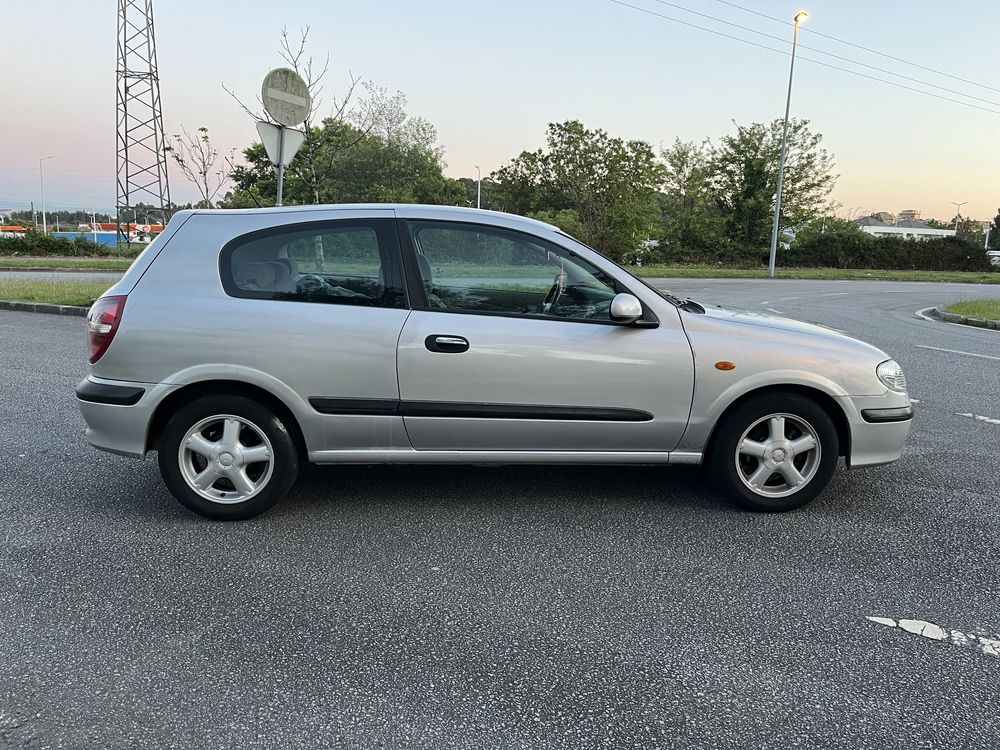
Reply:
x=227, y=457
x=775, y=452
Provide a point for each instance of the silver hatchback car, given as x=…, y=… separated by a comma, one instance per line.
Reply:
x=243, y=342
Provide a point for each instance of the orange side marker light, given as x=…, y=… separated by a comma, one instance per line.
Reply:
x=725, y=365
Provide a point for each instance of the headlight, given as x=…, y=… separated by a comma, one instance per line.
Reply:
x=891, y=375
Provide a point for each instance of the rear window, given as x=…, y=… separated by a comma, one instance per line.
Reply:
x=341, y=262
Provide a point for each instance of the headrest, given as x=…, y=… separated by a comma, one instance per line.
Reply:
x=261, y=275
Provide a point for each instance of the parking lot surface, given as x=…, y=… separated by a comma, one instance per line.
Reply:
x=512, y=607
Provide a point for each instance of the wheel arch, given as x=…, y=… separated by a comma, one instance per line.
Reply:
x=822, y=399
x=176, y=399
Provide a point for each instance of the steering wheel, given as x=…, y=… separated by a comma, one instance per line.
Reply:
x=554, y=294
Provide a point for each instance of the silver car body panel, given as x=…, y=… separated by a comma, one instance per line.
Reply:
x=770, y=350
x=530, y=362
x=180, y=328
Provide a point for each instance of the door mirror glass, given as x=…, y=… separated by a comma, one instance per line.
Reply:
x=625, y=308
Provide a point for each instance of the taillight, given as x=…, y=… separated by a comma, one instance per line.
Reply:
x=102, y=323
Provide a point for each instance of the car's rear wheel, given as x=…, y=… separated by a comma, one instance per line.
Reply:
x=775, y=452
x=227, y=457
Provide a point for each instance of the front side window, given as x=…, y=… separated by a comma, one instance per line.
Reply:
x=343, y=262
x=474, y=268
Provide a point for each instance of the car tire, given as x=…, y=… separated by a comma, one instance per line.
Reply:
x=774, y=452
x=227, y=457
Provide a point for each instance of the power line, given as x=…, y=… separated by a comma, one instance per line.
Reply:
x=807, y=59
x=824, y=52
x=861, y=47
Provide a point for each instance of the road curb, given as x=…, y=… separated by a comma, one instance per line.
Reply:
x=965, y=320
x=43, y=307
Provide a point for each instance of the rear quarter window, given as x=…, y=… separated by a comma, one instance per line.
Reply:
x=340, y=262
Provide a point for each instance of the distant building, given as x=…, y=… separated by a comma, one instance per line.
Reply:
x=908, y=214
x=908, y=229
x=12, y=230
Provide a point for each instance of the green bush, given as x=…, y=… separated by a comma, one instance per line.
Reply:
x=34, y=245
x=857, y=250
x=722, y=253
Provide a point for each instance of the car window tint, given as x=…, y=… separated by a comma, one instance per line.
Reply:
x=337, y=263
x=468, y=267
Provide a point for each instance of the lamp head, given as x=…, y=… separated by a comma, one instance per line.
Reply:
x=801, y=16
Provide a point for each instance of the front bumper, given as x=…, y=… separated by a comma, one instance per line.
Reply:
x=118, y=414
x=879, y=426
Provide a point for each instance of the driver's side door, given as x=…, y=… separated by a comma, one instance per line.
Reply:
x=513, y=349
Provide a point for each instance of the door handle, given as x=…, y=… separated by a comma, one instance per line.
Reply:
x=446, y=344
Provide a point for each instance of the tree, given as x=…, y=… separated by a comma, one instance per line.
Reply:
x=834, y=226
x=744, y=170
x=691, y=219
x=971, y=230
x=994, y=236
x=400, y=163
x=609, y=183
x=489, y=200
x=198, y=161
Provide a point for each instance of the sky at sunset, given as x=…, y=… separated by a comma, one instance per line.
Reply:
x=490, y=76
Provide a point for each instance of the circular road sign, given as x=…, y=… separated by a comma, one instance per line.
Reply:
x=286, y=97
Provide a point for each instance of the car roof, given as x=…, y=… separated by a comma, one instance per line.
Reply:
x=402, y=210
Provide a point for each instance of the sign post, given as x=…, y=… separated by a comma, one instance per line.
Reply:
x=286, y=98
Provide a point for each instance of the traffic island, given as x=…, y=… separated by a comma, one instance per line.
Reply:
x=978, y=313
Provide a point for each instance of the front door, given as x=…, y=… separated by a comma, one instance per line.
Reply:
x=515, y=351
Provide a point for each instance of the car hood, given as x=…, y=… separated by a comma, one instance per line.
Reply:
x=819, y=334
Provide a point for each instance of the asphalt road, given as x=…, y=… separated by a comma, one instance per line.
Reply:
x=426, y=607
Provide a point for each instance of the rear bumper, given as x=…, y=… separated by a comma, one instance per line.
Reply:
x=118, y=413
x=879, y=426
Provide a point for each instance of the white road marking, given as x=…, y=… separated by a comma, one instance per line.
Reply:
x=789, y=298
x=981, y=418
x=835, y=294
x=956, y=351
x=982, y=642
x=766, y=302
x=914, y=401
x=771, y=309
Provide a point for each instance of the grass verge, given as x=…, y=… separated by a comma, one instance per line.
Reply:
x=56, y=292
x=91, y=264
x=977, y=308
x=716, y=272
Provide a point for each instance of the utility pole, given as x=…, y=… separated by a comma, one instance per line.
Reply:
x=479, y=186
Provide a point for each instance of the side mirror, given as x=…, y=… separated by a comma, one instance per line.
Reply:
x=625, y=308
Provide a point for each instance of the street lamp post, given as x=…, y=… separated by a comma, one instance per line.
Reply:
x=799, y=17
x=41, y=179
x=958, y=214
x=479, y=186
